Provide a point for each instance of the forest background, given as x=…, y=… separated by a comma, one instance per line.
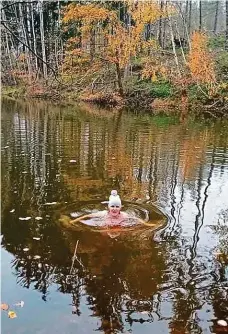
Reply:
x=156, y=55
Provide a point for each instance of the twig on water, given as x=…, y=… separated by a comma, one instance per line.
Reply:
x=75, y=257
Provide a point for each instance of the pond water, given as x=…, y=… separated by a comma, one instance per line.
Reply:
x=64, y=161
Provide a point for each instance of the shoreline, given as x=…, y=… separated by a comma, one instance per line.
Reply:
x=173, y=105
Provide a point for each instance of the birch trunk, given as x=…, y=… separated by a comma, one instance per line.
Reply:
x=34, y=36
x=42, y=38
x=173, y=44
x=26, y=40
x=190, y=18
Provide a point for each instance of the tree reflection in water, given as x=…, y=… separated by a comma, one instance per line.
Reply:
x=171, y=278
x=119, y=276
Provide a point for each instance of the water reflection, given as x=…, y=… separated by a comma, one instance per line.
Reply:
x=170, y=280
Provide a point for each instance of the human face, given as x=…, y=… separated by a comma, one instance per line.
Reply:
x=114, y=210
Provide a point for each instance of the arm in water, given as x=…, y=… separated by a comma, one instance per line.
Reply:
x=90, y=215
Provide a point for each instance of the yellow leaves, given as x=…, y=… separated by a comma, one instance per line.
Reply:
x=4, y=307
x=12, y=315
x=117, y=42
x=146, y=12
x=200, y=61
x=154, y=70
x=154, y=77
x=150, y=44
x=89, y=13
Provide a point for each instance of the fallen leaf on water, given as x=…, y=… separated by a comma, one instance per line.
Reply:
x=21, y=303
x=13, y=210
x=4, y=307
x=12, y=314
x=50, y=203
x=222, y=323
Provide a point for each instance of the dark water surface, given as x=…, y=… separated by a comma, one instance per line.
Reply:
x=64, y=161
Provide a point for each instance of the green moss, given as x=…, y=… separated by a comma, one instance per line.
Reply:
x=158, y=89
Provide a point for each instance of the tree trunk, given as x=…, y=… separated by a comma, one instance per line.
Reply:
x=34, y=36
x=92, y=44
x=181, y=45
x=216, y=17
x=42, y=39
x=173, y=44
x=186, y=14
x=160, y=35
x=119, y=79
x=226, y=40
x=25, y=33
x=190, y=18
x=200, y=15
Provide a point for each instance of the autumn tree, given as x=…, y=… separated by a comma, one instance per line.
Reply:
x=118, y=42
x=200, y=62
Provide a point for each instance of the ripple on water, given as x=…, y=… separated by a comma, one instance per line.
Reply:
x=148, y=213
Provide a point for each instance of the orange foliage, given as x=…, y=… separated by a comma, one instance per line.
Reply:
x=119, y=42
x=89, y=13
x=200, y=61
x=154, y=70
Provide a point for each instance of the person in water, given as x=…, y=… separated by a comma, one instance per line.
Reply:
x=113, y=216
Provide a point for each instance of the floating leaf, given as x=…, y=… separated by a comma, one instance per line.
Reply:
x=12, y=314
x=24, y=218
x=4, y=307
x=50, y=203
x=21, y=303
x=13, y=210
x=222, y=323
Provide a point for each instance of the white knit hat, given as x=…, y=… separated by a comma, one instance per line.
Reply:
x=114, y=199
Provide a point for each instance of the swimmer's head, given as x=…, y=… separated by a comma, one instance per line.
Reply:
x=114, y=200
